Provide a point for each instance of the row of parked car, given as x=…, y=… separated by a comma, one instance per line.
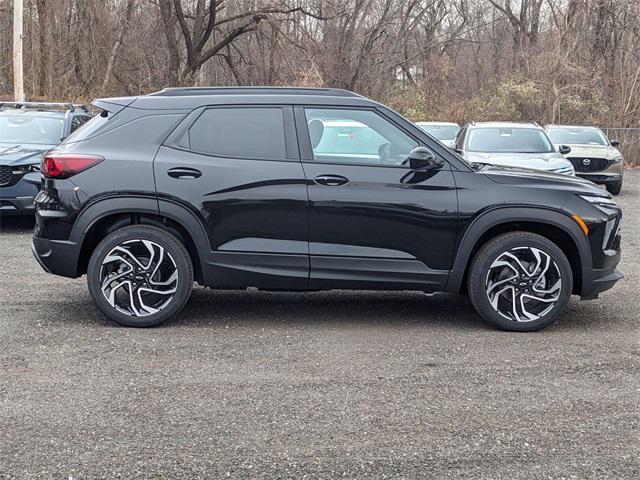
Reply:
x=302, y=189
x=584, y=151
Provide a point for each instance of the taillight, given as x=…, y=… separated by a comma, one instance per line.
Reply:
x=65, y=165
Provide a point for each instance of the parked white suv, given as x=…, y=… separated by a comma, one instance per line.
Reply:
x=444, y=131
x=507, y=144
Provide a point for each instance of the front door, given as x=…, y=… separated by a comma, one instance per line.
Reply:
x=238, y=168
x=373, y=222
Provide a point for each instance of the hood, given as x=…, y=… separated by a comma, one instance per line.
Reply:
x=539, y=179
x=595, y=151
x=21, y=154
x=536, y=161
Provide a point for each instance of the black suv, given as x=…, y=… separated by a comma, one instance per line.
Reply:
x=308, y=189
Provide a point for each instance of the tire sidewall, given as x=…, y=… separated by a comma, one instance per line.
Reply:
x=172, y=245
x=490, y=252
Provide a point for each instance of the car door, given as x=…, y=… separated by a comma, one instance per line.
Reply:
x=238, y=168
x=373, y=221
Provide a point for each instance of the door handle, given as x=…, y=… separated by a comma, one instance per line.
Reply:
x=331, y=180
x=184, y=173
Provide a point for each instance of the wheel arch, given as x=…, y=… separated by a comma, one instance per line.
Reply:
x=554, y=225
x=108, y=215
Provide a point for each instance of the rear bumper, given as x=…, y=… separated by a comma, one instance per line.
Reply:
x=60, y=257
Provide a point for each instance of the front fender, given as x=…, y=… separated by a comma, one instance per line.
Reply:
x=516, y=214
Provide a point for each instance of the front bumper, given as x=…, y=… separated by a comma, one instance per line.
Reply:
x=18, y=199
x=604, y=276
x=60, y=257
x=600, y=178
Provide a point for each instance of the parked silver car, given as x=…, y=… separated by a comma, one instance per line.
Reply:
x=444, y=131
x=507, y=144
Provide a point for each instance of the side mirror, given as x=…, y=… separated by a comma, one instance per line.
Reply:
x=564, y=149
x=615, y=143
x=421, y=158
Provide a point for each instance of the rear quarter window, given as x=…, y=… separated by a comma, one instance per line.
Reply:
x=240, y=132
x=89, y=128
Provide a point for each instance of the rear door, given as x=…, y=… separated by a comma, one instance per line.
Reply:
x=238, y=169
x=373, y=221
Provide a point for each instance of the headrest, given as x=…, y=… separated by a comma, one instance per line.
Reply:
x=316, y=129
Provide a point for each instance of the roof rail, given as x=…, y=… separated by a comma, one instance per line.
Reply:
x=535, y=123
x=43, y=105
x=192, y=91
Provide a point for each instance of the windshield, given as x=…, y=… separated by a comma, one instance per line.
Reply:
x=508, y=140
x=577, y=136
x=19, y=129
x=441, y=132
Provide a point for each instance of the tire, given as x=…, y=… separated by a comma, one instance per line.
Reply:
x=615, y=188
x=162, y=275
x=492, y=290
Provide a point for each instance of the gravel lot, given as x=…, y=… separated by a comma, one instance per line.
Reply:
x=321, y=385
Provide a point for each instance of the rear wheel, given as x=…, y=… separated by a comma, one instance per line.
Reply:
x=140, y=276
x=615, y=188
x=520, y=282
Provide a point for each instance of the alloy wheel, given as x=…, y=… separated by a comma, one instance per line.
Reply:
x=138, y=277
x=523, y=284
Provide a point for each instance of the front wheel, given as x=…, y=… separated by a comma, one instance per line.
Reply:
x=520, y=282
x=140, y=276
x=615, y=188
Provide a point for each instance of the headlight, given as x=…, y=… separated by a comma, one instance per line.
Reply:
x=617, y=160
x=597, y=200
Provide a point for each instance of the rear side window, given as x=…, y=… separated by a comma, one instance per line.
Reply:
x=252, y=133
x=92, y=126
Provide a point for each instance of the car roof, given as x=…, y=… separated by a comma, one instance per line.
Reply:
x=584, y=127
x=32, y=113
x=194, y=97
x=505, y=125
x=447, y=124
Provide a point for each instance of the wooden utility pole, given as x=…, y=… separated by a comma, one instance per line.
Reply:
x=18, y=78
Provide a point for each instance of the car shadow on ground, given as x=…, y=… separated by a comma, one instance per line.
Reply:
x=16, y=224
x=255, y=309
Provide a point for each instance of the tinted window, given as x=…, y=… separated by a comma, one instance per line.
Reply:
x=23, y=128
x=240, y=133
x=356, y=136
x=511, y=140
x=93, y=125
x=577, y=136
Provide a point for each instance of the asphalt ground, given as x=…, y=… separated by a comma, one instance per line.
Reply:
x=318, y=385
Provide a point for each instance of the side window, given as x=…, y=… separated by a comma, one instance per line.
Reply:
x=77, y=121
x=240, y=132
x=356, y=137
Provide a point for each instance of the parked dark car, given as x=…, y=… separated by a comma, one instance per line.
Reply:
x=238, y=187
x=26, y=131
